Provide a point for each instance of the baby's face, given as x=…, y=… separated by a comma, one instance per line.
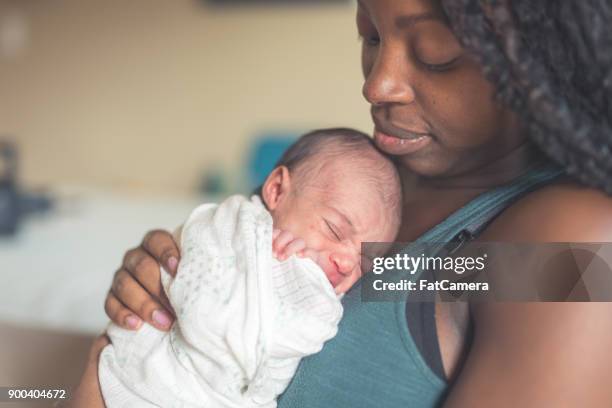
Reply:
x=334, y=216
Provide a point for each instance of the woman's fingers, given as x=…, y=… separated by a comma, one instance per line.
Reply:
x=162, y=247
x=119, y=314
x=128, y=293
x=145, y=269
x=136, y=294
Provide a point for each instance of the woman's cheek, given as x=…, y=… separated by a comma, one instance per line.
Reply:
x=479, y=108
x=466, y=110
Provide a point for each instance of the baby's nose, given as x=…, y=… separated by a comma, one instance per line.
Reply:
x=344, y=262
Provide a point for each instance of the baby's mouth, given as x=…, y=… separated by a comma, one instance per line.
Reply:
x=335, y=279
x=333, y=273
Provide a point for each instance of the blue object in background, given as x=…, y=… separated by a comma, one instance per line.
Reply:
x=9, y=200
x=265, y=152
x=14, y=203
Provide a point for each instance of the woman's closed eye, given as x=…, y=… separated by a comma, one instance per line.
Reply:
x=439, y=67
x=372, y=40
x=367, y=31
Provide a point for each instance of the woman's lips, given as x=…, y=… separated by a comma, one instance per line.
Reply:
x=401, y=145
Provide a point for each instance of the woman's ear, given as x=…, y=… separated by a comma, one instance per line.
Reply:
x=276, y=188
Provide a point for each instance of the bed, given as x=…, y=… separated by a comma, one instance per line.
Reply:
x=56, y=272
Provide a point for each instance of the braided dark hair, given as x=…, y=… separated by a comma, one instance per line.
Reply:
x=551, y=61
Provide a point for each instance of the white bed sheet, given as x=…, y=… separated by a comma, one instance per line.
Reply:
x=55, y=273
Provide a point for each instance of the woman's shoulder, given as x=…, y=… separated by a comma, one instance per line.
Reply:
x=564, y=211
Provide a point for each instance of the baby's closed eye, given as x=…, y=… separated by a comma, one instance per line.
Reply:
x=333, y=229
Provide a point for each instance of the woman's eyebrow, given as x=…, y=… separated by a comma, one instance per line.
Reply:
x=410, y=20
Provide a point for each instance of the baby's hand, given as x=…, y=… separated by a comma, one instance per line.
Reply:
x=285, y=244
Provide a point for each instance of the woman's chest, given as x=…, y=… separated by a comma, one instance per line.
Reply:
x=453, y=327
x=372, y=361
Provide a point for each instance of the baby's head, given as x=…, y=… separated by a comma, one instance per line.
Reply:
x=335, y=190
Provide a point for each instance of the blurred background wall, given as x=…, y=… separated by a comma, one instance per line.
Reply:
x=117, y=109
x=148, y=94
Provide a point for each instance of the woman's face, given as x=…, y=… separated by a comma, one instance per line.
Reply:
x=431, y=104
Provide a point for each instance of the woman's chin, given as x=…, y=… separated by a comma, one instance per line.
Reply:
x=423, y=157
x=426, y=165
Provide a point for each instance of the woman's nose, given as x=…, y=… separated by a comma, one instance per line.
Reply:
x=388, y=81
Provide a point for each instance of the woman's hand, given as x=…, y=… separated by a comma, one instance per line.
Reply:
x=136, y=294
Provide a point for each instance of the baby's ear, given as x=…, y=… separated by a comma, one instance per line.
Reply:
x=276, y=188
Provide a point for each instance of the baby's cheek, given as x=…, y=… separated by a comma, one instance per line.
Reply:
x=313, y=238
x=348, y=283
x=358, y=272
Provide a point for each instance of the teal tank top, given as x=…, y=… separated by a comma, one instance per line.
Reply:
x=373, y=361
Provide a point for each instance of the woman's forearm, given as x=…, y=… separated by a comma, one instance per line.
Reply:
x=88, y=393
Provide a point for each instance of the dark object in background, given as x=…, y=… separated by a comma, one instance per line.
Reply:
x=9, y=203
x=271, y=2
x=14, y=204
x=213, y=181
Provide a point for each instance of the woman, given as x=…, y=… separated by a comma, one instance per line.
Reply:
x=468, y=96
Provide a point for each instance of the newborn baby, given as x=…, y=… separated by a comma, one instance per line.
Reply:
x=258, y=283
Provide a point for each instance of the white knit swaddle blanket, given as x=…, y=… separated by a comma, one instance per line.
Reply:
x=244, y=320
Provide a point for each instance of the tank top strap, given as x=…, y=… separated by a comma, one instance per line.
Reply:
x=468, y=221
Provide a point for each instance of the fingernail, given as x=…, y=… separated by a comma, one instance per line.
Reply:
x=172, y=262
x=132, y=322
x=161, y=318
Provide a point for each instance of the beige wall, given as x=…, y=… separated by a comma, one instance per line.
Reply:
x=143, y=94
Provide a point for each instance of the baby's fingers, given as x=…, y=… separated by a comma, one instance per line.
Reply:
x=275, y=234
x=294, y=247
x=279, y=243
